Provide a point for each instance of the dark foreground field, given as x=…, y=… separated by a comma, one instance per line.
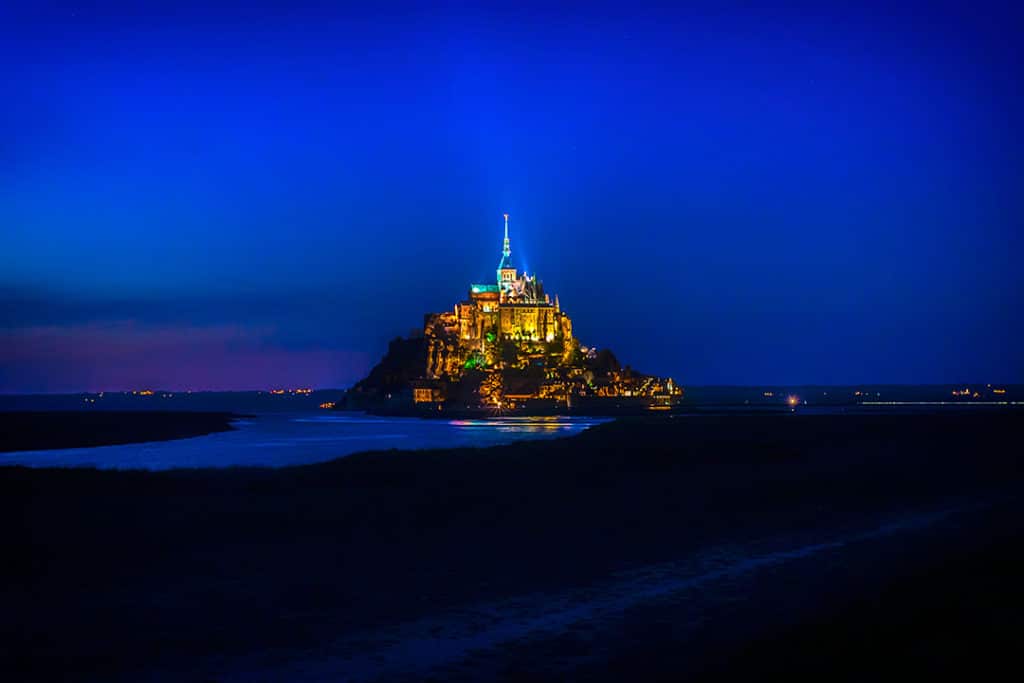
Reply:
x=811, y=547
x=31, y=431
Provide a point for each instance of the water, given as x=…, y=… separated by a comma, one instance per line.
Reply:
x=279, y=440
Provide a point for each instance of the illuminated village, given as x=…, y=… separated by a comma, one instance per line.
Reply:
x=508, y=347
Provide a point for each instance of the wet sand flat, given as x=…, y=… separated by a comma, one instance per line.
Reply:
x=678, y=546
x=32, y=431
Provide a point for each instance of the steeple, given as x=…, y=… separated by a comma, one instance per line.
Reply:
x=506, y=273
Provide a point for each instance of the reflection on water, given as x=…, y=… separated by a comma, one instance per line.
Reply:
x=278, y=440
x=521, y=425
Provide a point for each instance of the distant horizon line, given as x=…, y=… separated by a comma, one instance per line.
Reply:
x=306, y=391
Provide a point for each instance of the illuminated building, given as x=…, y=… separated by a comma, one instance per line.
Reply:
x=512, y=309
x=509, y=342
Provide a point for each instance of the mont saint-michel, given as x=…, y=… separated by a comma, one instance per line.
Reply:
x=509, y=346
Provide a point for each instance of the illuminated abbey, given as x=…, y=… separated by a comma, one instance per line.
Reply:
x=518, y=342
x=507, y=346
x=512, y=310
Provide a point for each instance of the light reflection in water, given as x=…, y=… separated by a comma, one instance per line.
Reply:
x=526, y=425
x=279, y=440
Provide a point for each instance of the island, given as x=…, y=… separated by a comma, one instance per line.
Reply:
x=508, y=347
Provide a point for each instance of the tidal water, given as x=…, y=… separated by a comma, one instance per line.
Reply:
x=279, y=440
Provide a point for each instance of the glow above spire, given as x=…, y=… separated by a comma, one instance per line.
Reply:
x=505, y=249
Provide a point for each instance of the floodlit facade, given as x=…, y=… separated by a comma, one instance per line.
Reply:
x=510, y=343
x=513, y=308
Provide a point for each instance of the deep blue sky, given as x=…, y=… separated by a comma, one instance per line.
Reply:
x=247, y=196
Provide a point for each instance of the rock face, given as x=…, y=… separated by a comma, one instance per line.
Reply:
x=425, y=373
x=392, y=377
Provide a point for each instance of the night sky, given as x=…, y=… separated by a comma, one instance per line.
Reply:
x=247, y=197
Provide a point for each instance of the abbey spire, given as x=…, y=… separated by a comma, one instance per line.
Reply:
x=506, y=272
